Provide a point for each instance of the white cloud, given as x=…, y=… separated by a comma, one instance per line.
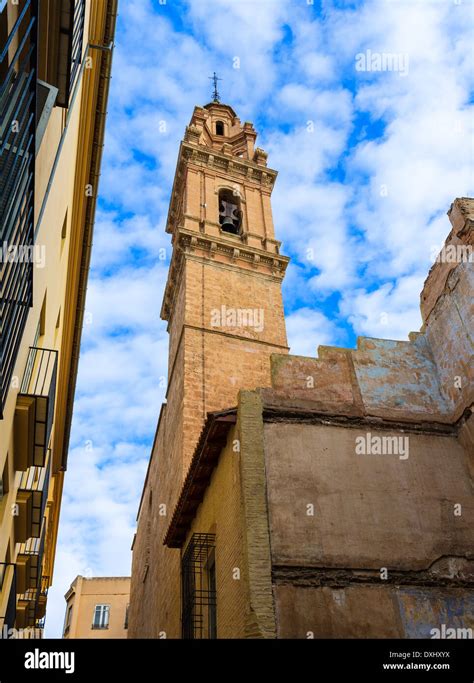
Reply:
x=307, y=329
x=389, y=312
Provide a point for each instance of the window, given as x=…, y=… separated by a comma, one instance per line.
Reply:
x=219, y=128
x=42, y=319
x=198, y=577
x=67, y=621
x=125, y=625
x=148, y=536
x=211, y=587
x=64, y=230
x=4, y=485
x=101, y=616
x=230, y=215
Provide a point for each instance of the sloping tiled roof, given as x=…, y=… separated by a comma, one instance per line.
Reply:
x=212, y=440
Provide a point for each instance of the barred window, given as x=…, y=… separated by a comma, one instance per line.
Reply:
x=199, y=611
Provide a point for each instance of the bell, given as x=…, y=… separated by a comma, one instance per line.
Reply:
x=228, y=225
x=230, y=217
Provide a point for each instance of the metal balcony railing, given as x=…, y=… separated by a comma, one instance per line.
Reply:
x=77, y=37
x=37, y=392
x=18, y=75
x=32, y=552
x=33, y=603
x=35, y=481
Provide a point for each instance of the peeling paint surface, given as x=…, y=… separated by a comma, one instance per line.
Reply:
x=422, y=610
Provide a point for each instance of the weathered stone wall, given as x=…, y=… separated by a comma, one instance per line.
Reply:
x=429, y=377
x=370, y=511
x=412, y=515
x=371, y=611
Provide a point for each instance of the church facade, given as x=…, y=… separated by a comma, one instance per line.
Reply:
x=294, y=497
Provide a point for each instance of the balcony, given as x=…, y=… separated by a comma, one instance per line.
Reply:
x=62, y=25
x=42, y=598
x=35, y=409
x=18, y=75
x=7, y=596
x=28, y=564
x=31, y=606
x=31, y=500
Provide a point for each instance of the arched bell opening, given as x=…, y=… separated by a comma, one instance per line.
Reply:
x=230, y=214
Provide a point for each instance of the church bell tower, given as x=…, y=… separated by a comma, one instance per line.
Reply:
x=223, y=298
x=224, y=309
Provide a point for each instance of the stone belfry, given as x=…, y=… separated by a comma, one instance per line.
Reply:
x=225, y=316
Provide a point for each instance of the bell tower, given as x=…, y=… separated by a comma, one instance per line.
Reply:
x=224, y=309
x=223, y=298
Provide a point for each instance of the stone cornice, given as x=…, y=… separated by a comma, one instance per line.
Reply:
x=208, y=247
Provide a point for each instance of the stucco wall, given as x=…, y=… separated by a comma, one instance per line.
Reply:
x=379, y=522
x=369, y=510
x=354, y=611
x=87, y=593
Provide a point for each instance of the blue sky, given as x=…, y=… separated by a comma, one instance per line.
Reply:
x=368, y=162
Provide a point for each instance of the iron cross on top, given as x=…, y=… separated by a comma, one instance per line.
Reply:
x=215, y=94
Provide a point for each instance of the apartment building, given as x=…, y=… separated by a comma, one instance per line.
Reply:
x=55, y=65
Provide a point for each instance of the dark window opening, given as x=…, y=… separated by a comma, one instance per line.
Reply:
x=4, y=482
x=211, y=586
x=230, y=215
x=67, y=621
x=219, y=128
x=198, y=577
x=126, y=617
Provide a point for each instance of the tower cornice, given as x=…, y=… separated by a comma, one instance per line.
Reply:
x=226, y=252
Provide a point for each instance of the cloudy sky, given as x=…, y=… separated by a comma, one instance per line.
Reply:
x=364, y=109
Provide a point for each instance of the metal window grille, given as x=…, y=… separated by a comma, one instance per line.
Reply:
x=18, y=100
x=199, y=605
x=77, y=38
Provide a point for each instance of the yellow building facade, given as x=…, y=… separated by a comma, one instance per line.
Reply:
x=97, y=608
x=55, y=69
